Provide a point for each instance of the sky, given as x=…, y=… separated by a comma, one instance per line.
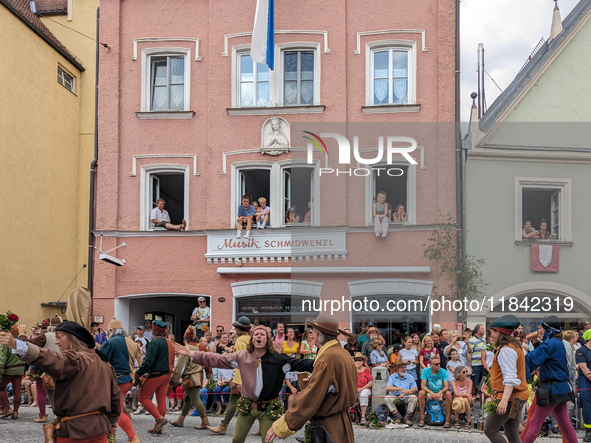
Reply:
x=509, y=30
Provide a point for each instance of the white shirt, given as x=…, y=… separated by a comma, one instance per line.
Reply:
x=159, y=215
x=507, y=358
x=201, y=314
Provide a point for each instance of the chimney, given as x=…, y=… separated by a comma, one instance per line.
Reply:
x=473, y=126
x=556, y=27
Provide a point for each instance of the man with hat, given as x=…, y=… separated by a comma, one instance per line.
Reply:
x=243, y=328
x=401, y=386
x=122, y=353
x=372, y=333
x=262, y=371
x=141, y=338
x=87, y=399
x=330, y=393
x=200, y=317
x=555, y=377
x=159, y=365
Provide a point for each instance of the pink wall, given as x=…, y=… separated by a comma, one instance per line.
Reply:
x=212, y=131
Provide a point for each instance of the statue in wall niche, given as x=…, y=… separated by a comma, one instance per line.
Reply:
x=275, y=141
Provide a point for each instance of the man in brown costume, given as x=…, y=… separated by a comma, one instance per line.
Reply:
x=331, y=391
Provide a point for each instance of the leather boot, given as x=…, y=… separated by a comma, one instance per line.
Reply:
x=135, y=439
x=587, y=435
x=160, y=422
x=219, y=429
x=179, y=421
x=204, y=423
x=48, y=432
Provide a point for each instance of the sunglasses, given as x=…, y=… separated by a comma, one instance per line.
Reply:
x=435, y=364
x=464, y=372
x=220, y=330
x=359, y=359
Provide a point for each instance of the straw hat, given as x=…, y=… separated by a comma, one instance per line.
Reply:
x=360, y=355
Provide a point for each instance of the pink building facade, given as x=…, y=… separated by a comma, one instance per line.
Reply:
x=186, y=115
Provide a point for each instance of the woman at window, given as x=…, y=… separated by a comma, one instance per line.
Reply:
x=291, y=216
x=378, y=356
x=307, y=348
x=364, y=382
x=308, y=215
x=463, y=401
x=400, y=215
x=290, y=345
x=382, y=215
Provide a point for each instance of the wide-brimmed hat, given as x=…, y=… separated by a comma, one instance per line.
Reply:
x=242, y=323
x=325, y=323
x=399, y=362
x=346, y=334
x=459, y=405
x=370, y=329
x=360, y=355
x=115, y=324
x=78, y=331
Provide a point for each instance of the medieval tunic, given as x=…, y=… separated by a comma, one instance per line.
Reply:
x=515, y=359
x=83, y=383
x=186, y=368
x=270, y=373
x=331, y=391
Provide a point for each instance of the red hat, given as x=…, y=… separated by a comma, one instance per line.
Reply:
x=159, y=326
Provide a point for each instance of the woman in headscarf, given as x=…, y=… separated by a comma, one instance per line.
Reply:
x=87, y=399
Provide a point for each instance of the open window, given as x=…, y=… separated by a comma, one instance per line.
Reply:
x=169, y=182
x=397, y=181
x=298, y=195
x=543, y=210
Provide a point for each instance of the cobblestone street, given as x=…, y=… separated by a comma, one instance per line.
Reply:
x=24, y=430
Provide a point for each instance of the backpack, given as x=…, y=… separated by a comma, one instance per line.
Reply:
x=433, y=414
x=381, y=412
x=355, y=412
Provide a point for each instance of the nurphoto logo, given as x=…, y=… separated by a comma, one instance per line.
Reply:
x=345, y=153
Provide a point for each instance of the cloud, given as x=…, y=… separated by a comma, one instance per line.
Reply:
x=509, y=31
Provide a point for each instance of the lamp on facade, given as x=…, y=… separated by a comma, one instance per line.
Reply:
x=104, y=256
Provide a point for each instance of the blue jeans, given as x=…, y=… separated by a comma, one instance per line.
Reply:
x=203, y=395
x=477, y=374
x=224, y=390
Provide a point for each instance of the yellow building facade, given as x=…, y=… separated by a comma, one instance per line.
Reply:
x=46, y=147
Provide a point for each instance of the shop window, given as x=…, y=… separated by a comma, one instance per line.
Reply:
x=298, y=195
x=398, y=182
x=544, y=210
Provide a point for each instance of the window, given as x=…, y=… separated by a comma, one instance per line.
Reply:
x=298, y=78
x=65, y=79
x=284, y=185
x=543, y=210
x=298, y=195
x=390, y=76
x=169, y=182
x=399, y=183
x=253, y=88
x=165, y=83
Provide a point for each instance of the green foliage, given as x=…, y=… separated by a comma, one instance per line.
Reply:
x=462, y=272
x=374, y=421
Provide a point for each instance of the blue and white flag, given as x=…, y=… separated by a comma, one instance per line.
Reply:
x=263, y=35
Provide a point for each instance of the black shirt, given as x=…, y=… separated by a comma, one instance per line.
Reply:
x=275, y=366
x=441, y=347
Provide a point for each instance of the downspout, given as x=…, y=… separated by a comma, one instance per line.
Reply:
x=460, y=163
x=93, y=164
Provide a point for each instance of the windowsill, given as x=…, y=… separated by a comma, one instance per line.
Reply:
x=165, y=115
x=525, y=242
x=390, y=109
x=277, y=110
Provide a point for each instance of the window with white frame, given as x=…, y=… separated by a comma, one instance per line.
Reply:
x=398, y=182
x=254, y=87
x=65, y=79
x=167, y=182
x=298, y=194
x=298, y=78
x=544, y=212
x=290, y=191
x=391, y=73
x=165, y=80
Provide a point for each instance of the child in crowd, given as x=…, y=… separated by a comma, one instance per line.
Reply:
x=452, y=364
x=427, y=352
